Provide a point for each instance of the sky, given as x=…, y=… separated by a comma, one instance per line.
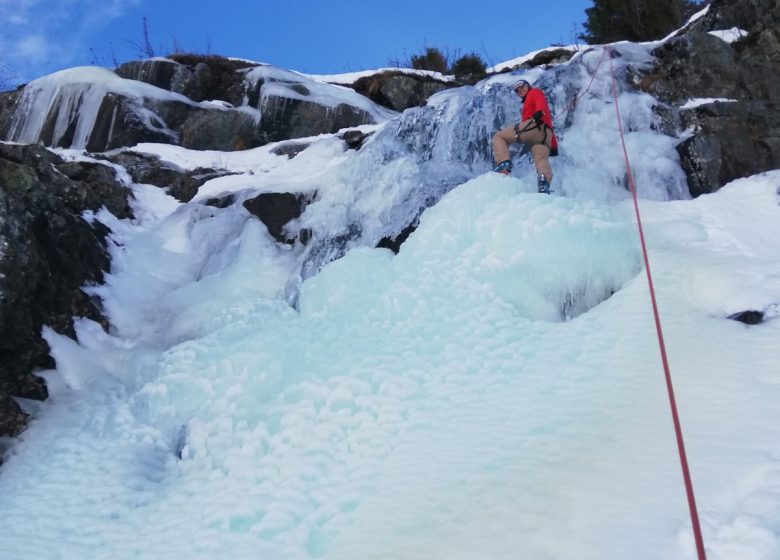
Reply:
x=494, y=390
x=38, y=37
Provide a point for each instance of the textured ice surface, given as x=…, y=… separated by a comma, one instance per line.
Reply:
x=429, y=404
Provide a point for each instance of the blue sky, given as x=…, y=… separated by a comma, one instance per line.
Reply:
x=38, y=37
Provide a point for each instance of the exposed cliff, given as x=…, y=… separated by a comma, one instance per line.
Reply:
x=730, y=59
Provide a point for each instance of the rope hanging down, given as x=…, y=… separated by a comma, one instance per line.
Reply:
x=670, y=389
x=579, y=96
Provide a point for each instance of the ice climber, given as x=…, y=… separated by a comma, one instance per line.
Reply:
x=534, y=130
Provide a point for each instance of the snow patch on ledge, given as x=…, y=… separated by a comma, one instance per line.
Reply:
x=348, y=78
x=693, y=103
x=730, y=35
x=277, y=82
x=508, y=64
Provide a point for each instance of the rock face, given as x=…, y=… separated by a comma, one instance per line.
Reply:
x=545, y=57
x=295, y=118
x=275, y=210
x=148, y=169
x=121, y=121
x=48, y=252
x=399, y=91
x=750, y=15
x=8, y=101
x=204, y=103
x=199, y=78
x=730, y=139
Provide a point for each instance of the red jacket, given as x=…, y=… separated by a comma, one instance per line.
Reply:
x=535, y=101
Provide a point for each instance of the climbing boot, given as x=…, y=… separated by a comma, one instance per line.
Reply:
x=505, y=167
x=543, y=184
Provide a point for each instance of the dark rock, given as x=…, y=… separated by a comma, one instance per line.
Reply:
x=731, y=140
x=694, y=65
x=198, y=84
x=121, y=121
x=221, y=201
x=159, y=72
x=354, y=139
x=668, y=120
x=146, y=168
x=550, y=56
x=757, y=56
x=40, y=159
x=305, y=235
x=7, y=105
x=750, y=317
x=186, y=186
x=750, y=15
x=399, y=91
x=285, y=118
x=171, y=114
x=402, y=92
x=49, y=253
x=300, y=88
x=253, y=92
x=214, y=77
x=394, y=243
x=289, y=149
x=222, y=130
x=79, y=185
x=700, y=160
x=543, y=58
x=12, y=419
x=275, y=210
x=199, y=77
x=99, y=185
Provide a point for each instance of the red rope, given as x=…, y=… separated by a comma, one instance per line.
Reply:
x=583, y=92
x=670, y=389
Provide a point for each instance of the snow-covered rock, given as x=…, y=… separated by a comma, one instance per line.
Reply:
x=95, y=109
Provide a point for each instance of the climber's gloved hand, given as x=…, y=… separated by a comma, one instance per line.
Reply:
x=539, y=118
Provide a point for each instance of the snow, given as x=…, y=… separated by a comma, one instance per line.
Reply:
x=693, y=103
x=730, y=35
x=494, y=390
x=348, y=78
x=698, y=15
x=528, y=57
x=277, y=82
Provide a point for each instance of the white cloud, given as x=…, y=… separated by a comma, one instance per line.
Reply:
x=38, y=37
x=34, y=48
x=17, y=12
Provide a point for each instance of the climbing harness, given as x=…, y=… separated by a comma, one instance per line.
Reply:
x=530, y=126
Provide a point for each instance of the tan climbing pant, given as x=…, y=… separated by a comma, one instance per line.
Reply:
x=531, y=135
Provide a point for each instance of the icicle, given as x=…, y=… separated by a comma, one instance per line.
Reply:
x=67, y=103
x=48, y=100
